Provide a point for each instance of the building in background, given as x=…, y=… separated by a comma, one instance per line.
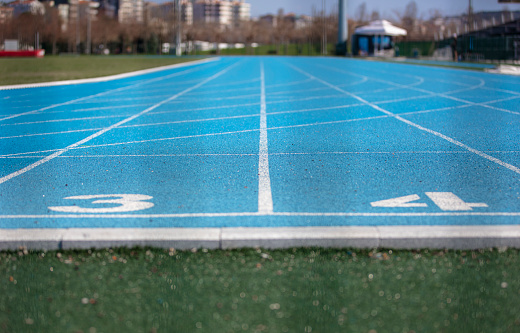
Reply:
x=241, y=11
x=109, y=8
x=6, y=13
x=292, y=20
x=131, y=11
x=27, y=6
x=222, y=12
x=167, y=12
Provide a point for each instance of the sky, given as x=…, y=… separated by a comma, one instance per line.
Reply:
x=385, y=7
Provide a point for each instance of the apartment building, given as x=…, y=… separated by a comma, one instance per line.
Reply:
x=167, y=12
x=241, y=11
x=6, y=13
x=131, y=11
x=222, y=12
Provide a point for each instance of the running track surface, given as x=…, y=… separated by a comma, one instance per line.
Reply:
x=268, y=143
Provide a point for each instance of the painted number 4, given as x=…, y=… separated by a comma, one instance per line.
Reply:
x=446, y=201
x=125, y=202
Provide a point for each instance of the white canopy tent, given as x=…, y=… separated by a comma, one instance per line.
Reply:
x=380, y=28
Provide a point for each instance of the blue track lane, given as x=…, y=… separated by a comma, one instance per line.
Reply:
x=345, y=142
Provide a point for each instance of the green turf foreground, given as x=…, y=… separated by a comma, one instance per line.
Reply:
x=58, y=68
x=296, y=290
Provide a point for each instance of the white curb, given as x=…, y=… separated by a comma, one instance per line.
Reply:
x=107, y=78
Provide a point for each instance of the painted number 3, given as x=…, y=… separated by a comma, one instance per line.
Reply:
x=126, y=202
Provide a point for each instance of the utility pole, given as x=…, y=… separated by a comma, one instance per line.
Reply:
x=77, y=26
x=324, y=31
x=90, y=10
x=341, y=47
x=470, y=13
x=178, y=15
x=89, y=30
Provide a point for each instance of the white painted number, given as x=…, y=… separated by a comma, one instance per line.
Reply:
x=451, y=202
x=446, y=201
x=405, y=202
x=126, y=202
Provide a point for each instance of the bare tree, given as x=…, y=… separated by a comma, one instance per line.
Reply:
x=410, y=15
x=361, y=13
x=375, y=16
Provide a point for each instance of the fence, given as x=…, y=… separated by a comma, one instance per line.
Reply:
x=469, y=48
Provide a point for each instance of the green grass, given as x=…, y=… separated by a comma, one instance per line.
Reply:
x=305, y=49
x=57, y=68
x=296, y=290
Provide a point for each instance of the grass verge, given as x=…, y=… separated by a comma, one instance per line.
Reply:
x=296, y=290
x=58, y=68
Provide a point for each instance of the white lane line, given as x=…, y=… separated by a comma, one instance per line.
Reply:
x=252, y=214
x=136, y=142
x=442, y=136
x=344, y=106
x=253, y=130
x=64, y=120
x=192, y=121
x=439, y=152
x=132, y=98
x=134, y=155
x=294, y=83
x=292, y=92
x=445, y=95
x=220, y=98
x=101, y=94
x=207, y=135
x=205, y=108
x=265, y=198
x=95, y=135
x=216, y=92
x=236, y=83
x=113, y=107
x=50, y=133
x=167, y=139
x=329, y=122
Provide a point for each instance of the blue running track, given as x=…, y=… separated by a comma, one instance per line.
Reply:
x=264, y=142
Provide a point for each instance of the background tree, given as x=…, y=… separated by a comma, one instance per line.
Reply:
x=362, y=13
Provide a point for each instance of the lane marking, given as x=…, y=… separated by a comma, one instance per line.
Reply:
x=112, y=107
x=195, y=99
x=140, y=141
x=95, y=135
x=440, y=135
x=272, y=128
x=24, y=155
x=64, y=120
x=450, y=202
x=446, y=201
x=252, y=214
x=205, y=108
x=270, y=154
x=445, y=95
x=126, y=202
x=404, y=202
x=50, y=133
x=265, y=198
x=102, y=93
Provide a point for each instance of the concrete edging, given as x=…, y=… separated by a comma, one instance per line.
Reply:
x=396, y=237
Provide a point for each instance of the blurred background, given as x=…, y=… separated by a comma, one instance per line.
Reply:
x=480, y=29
